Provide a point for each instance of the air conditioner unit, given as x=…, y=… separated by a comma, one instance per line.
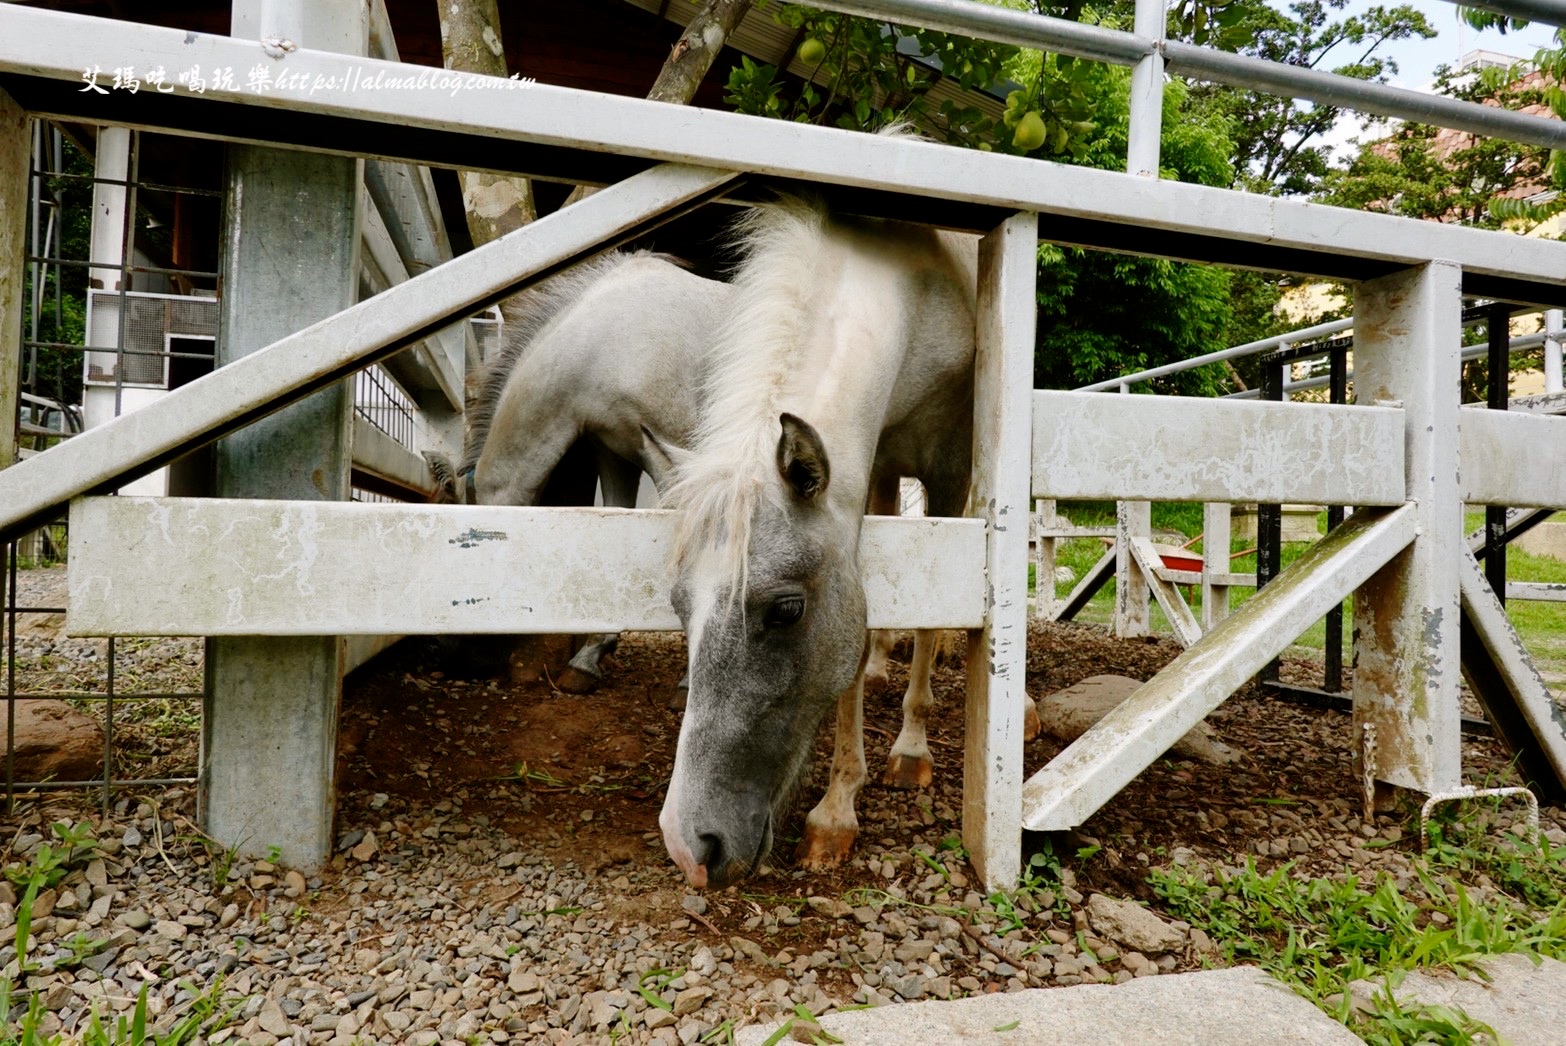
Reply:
x=149, y=321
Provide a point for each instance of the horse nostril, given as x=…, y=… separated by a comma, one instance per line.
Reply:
x=710, y=853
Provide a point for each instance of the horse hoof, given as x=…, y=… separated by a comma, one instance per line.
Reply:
x=908, y=772
x=822, y=849
x=573, y=680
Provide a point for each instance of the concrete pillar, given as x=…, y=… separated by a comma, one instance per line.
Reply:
x=290, y=257
x=1407, y=335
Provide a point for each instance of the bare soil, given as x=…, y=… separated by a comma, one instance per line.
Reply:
x=582, y=778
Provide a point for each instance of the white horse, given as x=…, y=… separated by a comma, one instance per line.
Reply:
x=599, y=354
x=845, y=361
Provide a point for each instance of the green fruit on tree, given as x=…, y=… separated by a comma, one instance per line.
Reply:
x=1030, y=132
x=812, y=51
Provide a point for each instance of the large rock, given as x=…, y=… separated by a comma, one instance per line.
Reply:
x=1132, y=925
x=54, y=742
x=1067, y=714
x=1236, y=1007
x=1517, y=995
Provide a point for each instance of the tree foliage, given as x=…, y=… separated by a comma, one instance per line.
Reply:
x=1433, y=174
x=1551, y=64
x=1278, y=140
x=1100, y=315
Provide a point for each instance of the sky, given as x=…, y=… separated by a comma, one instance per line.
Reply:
x=1417, y=59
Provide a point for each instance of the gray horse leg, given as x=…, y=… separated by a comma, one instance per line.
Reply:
x=619, y=479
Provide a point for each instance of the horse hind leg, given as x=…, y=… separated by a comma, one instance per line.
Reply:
x=619, y=480
x=909, y=764
x=832, y=827
x=877, y=667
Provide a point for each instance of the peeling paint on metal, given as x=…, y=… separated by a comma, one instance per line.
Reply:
x=472, y=537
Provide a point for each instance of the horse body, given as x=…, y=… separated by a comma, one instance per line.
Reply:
x=625, y=349
x=846, y=361
x=600, y=353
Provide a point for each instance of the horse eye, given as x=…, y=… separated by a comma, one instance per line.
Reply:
x=785, y=611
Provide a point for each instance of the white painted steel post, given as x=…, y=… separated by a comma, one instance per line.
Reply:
x=1215, y=561
x=1045, y=518
x=112, y=162
x=14, y=148
x=1147, y=94
x=1133, y=519
x=997, y=654
x=1407, y=333
x=1553, y=337
x=290, y=257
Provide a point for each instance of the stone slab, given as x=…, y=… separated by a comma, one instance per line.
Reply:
x=1067, y=714
x=1299, y=522
x=1546, y=539
x=1241, y=1006
x=1521, y=999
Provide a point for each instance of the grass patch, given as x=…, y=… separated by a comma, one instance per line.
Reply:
x=1470, y=896
x=1542, y=626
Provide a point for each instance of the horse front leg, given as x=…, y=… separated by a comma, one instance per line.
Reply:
x=830, y=829
x=909, y=764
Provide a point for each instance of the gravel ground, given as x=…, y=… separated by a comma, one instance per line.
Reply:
x=499, y=876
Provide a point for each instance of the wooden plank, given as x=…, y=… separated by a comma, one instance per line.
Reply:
x=282, y=568
x=997, y=652
x=1072, y=786
x=1095, y=446
x=1511, y=459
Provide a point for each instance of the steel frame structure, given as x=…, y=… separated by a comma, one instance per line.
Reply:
x=1399, y=450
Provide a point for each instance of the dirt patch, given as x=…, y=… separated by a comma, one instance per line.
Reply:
x=582, y=778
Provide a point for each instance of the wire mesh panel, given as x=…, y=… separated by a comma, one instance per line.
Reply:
x=99, y=321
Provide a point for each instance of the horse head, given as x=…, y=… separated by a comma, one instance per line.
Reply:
x=768, y=588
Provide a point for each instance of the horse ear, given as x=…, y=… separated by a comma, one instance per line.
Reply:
x=802, y=458
x=660, y=458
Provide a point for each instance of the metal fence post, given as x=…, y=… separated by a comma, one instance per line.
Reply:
x=1215, y=560
x=997, y=653
x=1269, y=517
x=1406, y=659
x=1147, y=94
x=291, y=256
x=1332, y=676
x=1552, y=350
x=1498, y=396
x=14, y=147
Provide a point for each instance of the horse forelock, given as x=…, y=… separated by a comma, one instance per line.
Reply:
x=731, y=473
x=526, y=315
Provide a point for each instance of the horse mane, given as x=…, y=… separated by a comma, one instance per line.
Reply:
x=526, y=315
x=722, y=483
